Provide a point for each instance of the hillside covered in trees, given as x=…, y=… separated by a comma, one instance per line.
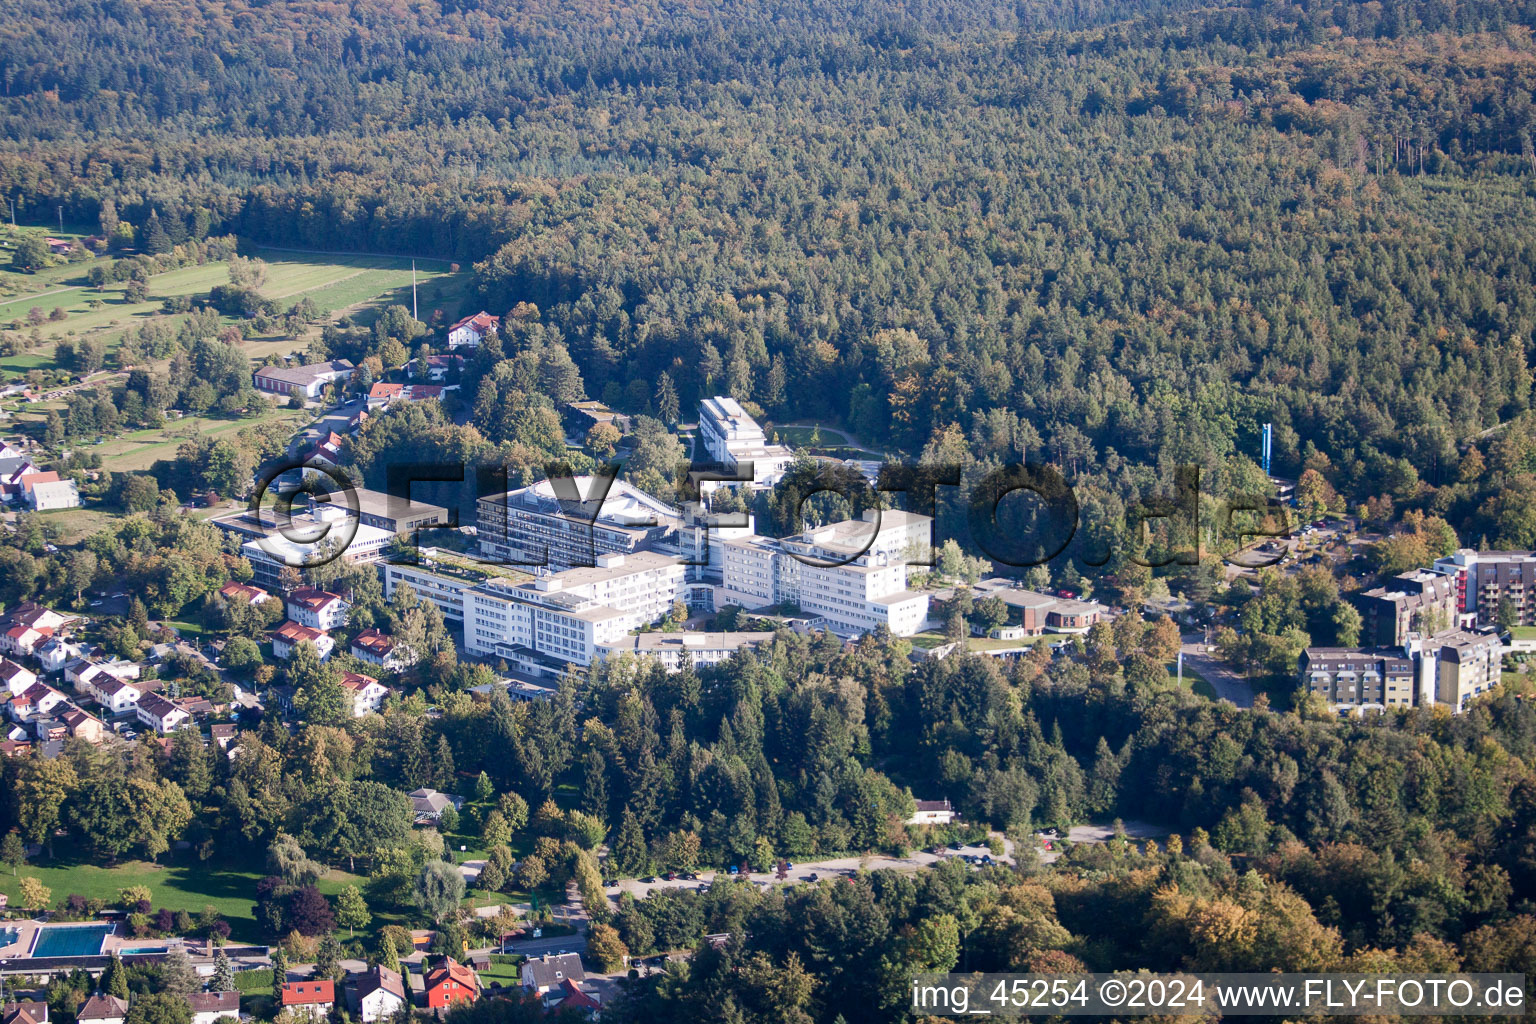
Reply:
x=1088, y=232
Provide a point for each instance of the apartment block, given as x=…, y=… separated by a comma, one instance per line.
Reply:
x=1483, y=579
x=675, y=650
x=1450, y=668
x=1422, y=601
x=302, y=541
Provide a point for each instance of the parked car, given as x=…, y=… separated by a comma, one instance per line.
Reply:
x=813, y=877
x=670, y=876
x=648, y=879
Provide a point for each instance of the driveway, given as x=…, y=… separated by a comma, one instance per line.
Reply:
x=1229, y=686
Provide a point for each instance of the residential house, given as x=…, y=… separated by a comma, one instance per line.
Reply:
x=448, y=983
x=380, y=994
x=222, y=734
x=375, y=648
x=569, y=995
x=290, y=634
x=438, y=367
x=36, y=701
x=541, y=975
x=44, y=491
x=102, y=1009
x=208, y=1007
x=472, y=331
x=383, y=393
x=12, y=469
x=932, y=812
x=83, y=725
x=16, y=678
x=26, y=1012
x=244, y=591
x=367, y=693
x=54, y=653
x=429, y=804
x=120, y=696
x=317, y=609
x=24, y=639
x=312, y=999
x=326, y=452
x=162, y=714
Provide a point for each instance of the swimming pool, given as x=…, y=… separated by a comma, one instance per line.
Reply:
x=8, y=936
x=70, y=940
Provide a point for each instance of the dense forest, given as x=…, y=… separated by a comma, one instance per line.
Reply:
x=1115, y=236
x=1096, y=233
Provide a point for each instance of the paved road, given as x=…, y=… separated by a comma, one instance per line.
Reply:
x=1228, y=685
x=801, y=871
x=1103, y=834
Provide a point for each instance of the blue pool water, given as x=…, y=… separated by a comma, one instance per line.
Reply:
x=71, y=940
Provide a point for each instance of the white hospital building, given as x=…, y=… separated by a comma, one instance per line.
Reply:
x=853, y=574
x=732, y=438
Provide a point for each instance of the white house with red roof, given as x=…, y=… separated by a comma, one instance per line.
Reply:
x=244, y=591
x=473, y=330
x=312, y=999
x=367, y=693
x=35, y=702
x=317, y=609
x=23, y=639
x=376, y=648
x=45, y=491
x=290, y=634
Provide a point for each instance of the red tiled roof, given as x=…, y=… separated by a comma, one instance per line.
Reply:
x=356, y=680
x=451, y=969
x=373, y=641
x=313, y=599
x=294, y=633
x=481, y=321
x=233, y=589
x=308, y=993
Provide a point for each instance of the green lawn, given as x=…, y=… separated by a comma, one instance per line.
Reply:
x=800, y=437
x=179, y=883
x=929, y=640
x=1195, y=681
x=334, y=283
x=1522, y=632
x=75, y=524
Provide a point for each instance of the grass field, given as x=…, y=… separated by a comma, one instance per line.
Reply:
x=930, y=640
x=140, y=449
x=75, y=524
x=1194, y=681
x=352, y=284
x=183, y=883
